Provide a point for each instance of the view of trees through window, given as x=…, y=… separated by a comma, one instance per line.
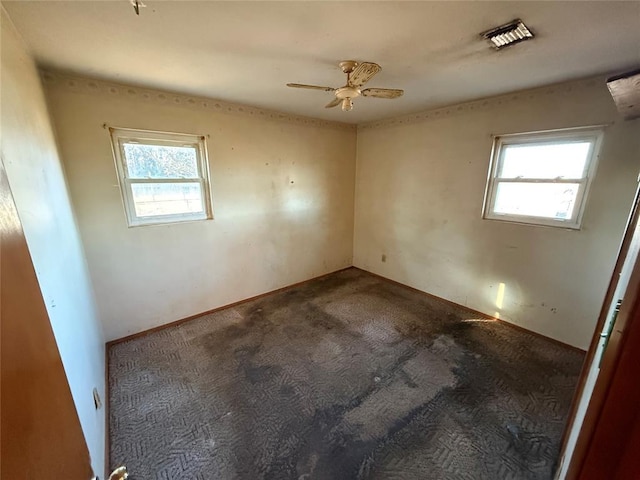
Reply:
x=163, y=176
x=163, y=163
x=160, y=161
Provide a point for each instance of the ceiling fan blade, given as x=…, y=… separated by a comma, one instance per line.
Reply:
x=363, y=73
x=312, y=87
x=333, y=103
x=382, y=92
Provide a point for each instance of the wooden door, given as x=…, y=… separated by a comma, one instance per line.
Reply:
x=40, y=434
x=613, y=448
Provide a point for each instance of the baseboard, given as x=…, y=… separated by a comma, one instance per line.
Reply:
x=476, y=312
x=297, y=284
x=540, y=335
x=217, y=309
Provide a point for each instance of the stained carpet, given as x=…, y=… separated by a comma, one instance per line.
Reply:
x=345, y=377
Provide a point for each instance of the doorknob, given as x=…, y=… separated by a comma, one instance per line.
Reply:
x=119, y=473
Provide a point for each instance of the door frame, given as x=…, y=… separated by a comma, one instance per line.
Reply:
x=628, y=315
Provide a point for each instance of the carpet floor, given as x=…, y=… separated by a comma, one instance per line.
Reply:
x=344, y=377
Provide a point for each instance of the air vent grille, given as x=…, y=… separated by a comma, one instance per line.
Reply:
x=508, y=34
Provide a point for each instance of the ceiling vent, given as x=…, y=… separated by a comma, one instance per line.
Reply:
x=508, y=34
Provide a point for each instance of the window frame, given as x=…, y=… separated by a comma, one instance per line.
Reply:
x=120, y=136
x=592, y=134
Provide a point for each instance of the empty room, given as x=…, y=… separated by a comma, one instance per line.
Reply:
x=320, y=240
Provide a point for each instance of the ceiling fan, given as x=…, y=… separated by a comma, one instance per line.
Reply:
x=357, y=75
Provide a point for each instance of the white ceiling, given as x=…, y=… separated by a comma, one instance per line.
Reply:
x=246, y=52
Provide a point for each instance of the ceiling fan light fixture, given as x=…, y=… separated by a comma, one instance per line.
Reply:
x=357, y=75
x=508, y=34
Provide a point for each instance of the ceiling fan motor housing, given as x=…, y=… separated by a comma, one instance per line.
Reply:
x=347, y=92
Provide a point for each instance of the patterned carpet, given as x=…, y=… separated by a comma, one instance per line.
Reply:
x=345, y=377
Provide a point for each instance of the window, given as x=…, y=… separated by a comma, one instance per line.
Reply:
x=542, y=178
x=163, y=176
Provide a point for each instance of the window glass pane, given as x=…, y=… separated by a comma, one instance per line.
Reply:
x=565, y=160
x=547, y=200
x=160, y=161
x=152, y=199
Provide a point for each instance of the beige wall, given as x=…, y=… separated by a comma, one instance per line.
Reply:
x=283, y=195
x=419, y=192
x=37, y=181
x=283, y=204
